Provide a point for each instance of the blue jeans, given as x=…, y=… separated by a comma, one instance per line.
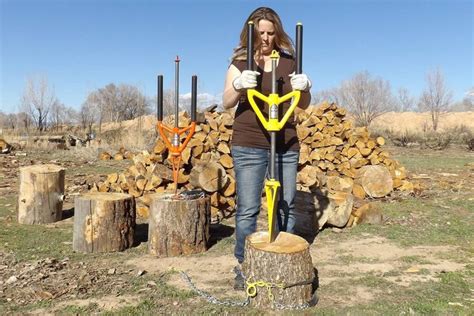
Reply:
x=250, y=165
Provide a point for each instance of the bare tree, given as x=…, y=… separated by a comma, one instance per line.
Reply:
x=406, y=102
x=330, y=95
x=57, y=115
x=6, y=120
x=24, y=121
x=115, y=103
x=91, y=112
x=365, y=98
x=131, y=102
x=436, y=98
x=169, y=102
x=37, y=100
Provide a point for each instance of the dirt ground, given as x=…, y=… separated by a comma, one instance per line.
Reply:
x=420, y=261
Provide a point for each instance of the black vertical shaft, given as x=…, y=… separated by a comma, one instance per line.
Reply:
x=176, y=89
x=250, y=27
x=159, y=99
x=299, y=48
x=193, y=98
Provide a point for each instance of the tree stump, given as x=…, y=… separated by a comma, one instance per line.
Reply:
x=103, y=222
x=178, y=226
x=286, y=262
x=41, y=195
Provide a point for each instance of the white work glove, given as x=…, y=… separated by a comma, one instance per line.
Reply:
x=300, y=82
x=247, y=80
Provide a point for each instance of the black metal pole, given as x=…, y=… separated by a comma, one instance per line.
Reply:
x=176, y=89
x=299, y=48
x=193, y=98
x=250, y=27
x=159, y=99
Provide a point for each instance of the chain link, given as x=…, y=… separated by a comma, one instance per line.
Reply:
x=209, y=297
x=212, y=299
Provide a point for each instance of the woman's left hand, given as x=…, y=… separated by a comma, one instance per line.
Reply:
x=300, y=82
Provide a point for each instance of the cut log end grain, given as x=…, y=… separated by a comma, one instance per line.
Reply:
x=284, y=243
x=210, y=176
x=376, y=180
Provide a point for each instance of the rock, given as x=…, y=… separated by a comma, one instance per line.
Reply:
x=11, y=280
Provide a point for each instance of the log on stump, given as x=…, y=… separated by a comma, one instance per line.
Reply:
x=103, y=222
x=41, y=195
x=178, y=226
x=286, y=261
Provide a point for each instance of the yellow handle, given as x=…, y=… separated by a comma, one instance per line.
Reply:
x=271, y=190
x=273, y=125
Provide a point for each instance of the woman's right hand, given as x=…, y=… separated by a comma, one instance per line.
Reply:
x=246, y=80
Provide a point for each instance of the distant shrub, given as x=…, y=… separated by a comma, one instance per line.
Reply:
x=436, y=140
x=406, y=139
x=470, y=144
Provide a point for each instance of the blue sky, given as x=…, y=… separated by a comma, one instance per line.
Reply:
x=82, y=45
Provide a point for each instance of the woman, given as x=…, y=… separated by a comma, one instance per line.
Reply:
x=250, y=141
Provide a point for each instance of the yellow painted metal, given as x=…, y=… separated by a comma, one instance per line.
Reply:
x=274, y=54
x=273, y=125
x=271, y=191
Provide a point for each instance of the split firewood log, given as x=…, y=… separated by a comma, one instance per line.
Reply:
x=369, y=213
x=339, y=208
x=376, y=180
x=104, y=155
x=210, y=176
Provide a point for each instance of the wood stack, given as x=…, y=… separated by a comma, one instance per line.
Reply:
x=5, y=147
x=332, y=153
x=121, y=154
x=343, y=163
x=206, y=163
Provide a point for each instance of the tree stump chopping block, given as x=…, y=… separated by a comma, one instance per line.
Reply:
x=178, y=226
x=103, y=222
x=41, y=195
x=284, y=266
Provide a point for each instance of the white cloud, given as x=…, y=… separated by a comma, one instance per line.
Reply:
x=203, y=99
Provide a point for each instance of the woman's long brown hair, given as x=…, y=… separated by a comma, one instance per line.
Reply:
x=283, y=42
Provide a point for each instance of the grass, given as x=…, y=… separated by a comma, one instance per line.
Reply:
x=414, y=260
x=444, y=219
x=427, y=161
x=422, y=298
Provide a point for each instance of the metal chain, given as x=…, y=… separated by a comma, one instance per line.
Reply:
x=214, y=300
x=209, y=297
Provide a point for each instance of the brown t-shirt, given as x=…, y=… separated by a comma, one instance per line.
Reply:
x=247, y=129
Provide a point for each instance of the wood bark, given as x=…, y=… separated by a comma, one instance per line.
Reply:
x=178, y=226
x=286, y=261
x=41, y=194
x=103, y=222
